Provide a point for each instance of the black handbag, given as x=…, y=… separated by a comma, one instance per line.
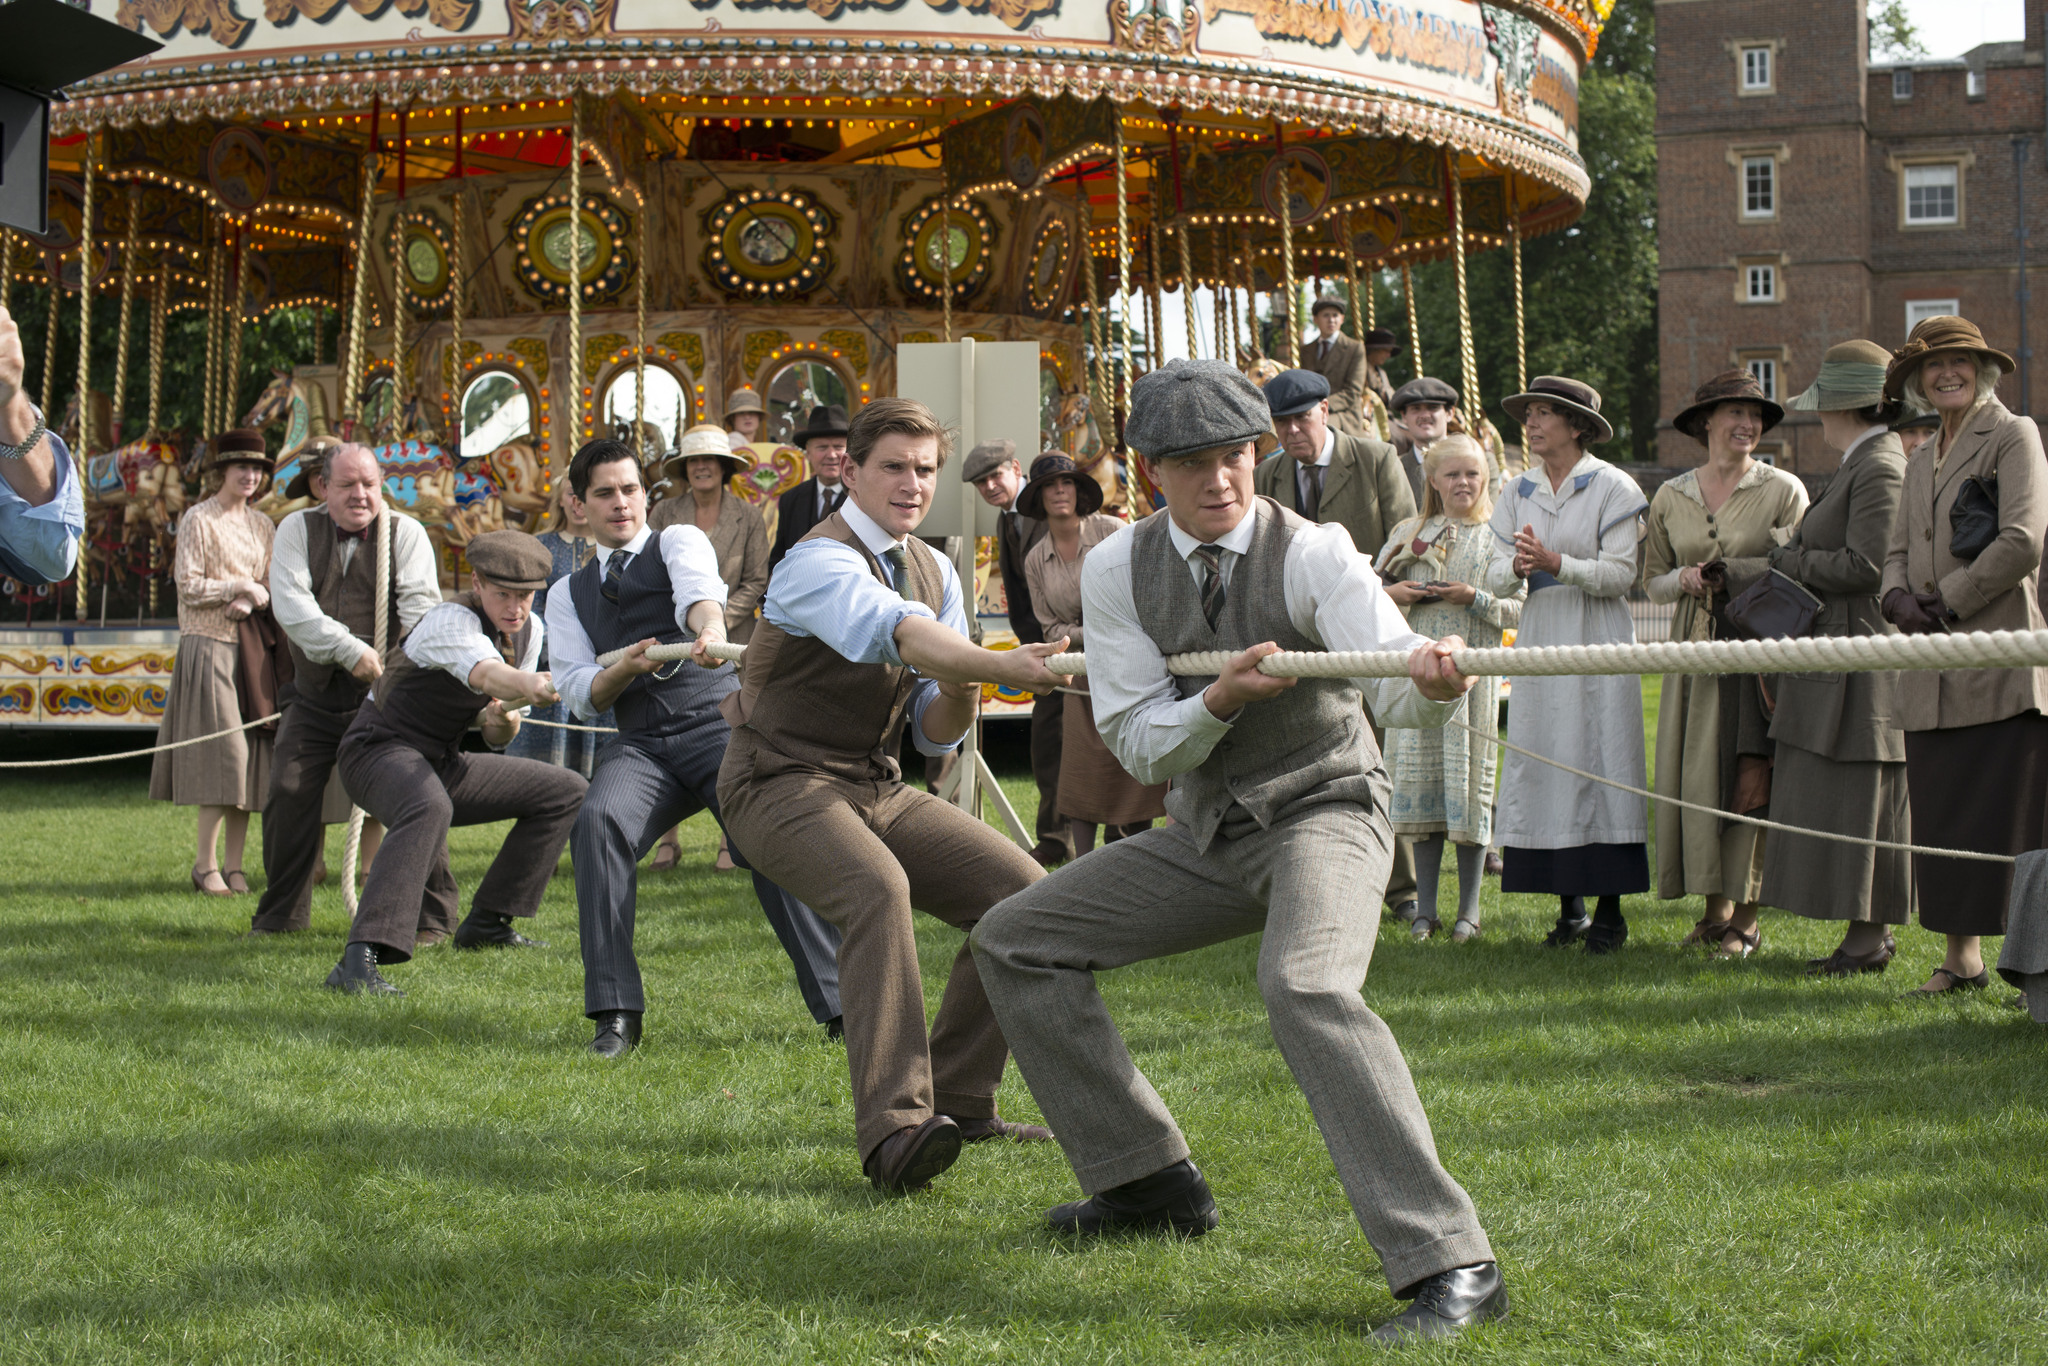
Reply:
x=1973, y=518
x=1775, y=607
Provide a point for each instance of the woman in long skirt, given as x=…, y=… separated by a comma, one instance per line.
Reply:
x=222, y=568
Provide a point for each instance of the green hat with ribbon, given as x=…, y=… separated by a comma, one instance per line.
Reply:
x=1851, y=376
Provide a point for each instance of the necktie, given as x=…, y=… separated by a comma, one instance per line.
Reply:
x=1312, y=492
x=899, y=565
x=1326, y=348
x=828, y=500
x=505, y=649
x=614, y=570
x=1213, y=592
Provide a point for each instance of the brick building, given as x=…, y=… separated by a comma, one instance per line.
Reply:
x=1807, y=195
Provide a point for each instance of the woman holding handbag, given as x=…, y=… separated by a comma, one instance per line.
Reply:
x=1713, y=746
x=1840, y=761
x=1965, y=555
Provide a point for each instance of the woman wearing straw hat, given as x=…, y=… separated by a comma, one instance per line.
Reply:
x=1567, y=531
x=1713, y=745
x=222, y=569
x=1094, y=788
x=1976, y=739
x=1840, y=762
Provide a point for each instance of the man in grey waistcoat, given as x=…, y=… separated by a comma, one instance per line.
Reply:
x=646, y=587
x=1279, y=806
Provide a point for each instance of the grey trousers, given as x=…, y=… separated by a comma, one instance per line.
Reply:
x=634, y=797
x=1155, y=894
x=418, y=803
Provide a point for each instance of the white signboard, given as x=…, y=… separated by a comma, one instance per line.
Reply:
x=984, y=391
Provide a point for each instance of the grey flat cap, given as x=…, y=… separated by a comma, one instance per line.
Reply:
x=511, y=559
x=1295, y=391
x=986, y=458
x=1423, y=389
x=1187, y=406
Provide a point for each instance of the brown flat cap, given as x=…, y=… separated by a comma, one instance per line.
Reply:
x=1730, y=386
x=1944, y=333
x=986, y=458
x=511, y=559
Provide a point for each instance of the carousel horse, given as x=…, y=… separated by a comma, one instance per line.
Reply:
x=140, y=478
x=299, y=404
x=102, y=421
x=1076, y=431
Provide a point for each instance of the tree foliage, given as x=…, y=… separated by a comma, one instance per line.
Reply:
x=1892, y=32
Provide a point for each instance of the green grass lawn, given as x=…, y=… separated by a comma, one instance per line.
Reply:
x=206, y=1157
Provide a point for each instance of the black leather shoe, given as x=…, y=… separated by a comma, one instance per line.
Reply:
x=618, y=1033
x=490, y=930
x=908, y=1159
x=1050, y=853
x=995, y=1126
x=1175, y=1198
x=357, y=972
x=1603, y=938
x=835, y=1028
x=1448, y=1303
x=1567, y=932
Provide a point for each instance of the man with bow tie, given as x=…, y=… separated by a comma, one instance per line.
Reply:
x=323, y=592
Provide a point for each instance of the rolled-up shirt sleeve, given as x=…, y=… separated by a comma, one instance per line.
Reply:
x=692, y=565
x=448, y=638
x=39, y=541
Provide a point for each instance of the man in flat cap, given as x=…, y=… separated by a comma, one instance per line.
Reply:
x=1381, y=346
x=996, y=473
x=1423, y=410
x=323, y=592
x=1279, y=803
x=863, y=636
x=1341, y=361
x=402, y=762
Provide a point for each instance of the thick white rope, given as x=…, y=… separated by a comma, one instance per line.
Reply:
x=137, y=753
x=351, y=849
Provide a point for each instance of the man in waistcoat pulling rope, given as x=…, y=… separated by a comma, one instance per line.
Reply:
x=402, y=762
x=323, y=592
x=1279, y=803
x=646, y=587
x=864, y=632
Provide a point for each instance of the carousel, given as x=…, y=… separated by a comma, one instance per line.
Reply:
x=534, y=221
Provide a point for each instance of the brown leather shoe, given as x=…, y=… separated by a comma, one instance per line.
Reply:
x=1839, y=964
x=995, y=1126
x=908, y=1159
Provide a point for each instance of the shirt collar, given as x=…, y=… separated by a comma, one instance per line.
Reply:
x=1237, y=540
x=637, y=544
x=1867, y=434
x=868, y=530
x=1329, y=446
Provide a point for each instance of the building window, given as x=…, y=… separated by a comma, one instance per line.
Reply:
x=1765, y=373
x=1760, y=284
x=1919, y=310
x=1771, y=453
x=1974, y=84
x=1933, y=195
x=1902, y=83
x=1756, y=69
x=1759, y=187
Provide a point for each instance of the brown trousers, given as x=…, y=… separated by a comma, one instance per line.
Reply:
x=863, y=855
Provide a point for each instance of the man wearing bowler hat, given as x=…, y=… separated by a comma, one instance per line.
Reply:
x=823, y=437
x=471, y=658
x=1279, y=802
x=1341, y=361
x=998, y=476
x=1354, y=481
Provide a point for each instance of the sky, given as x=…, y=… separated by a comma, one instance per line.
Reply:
x=1949, y=28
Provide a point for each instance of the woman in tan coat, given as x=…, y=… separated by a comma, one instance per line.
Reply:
x=1976, y=740
x=707, y=462
x=1094, y=788
x=222, y=570
x=1713, y=748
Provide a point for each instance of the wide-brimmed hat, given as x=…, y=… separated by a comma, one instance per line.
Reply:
x=511, y=560
x=1730, y=386
x=1851, y=376
x=1943, y=333
x=1560, y=391
x=986, y=458
x=312, y=458
x=1292, y=392
x=1186, y=406
x=827, y=419
x=1422, y=389
x=1379, y=339
x=707, y=438
x=1329, y=301
x=239, y=446
x=1058, y=465
x=743, y=401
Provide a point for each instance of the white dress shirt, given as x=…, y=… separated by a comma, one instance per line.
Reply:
x=451, y=638
x=1333, y=597
x=693, y=573
x=320, y=637
x=823, y=589
x=826, y=493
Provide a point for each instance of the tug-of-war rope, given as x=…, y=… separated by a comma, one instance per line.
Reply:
x=1814, y=654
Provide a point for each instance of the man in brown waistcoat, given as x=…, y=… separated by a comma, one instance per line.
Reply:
x=323, y=567
x=863, y=633
x=1279, y=803
x=472, y=658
